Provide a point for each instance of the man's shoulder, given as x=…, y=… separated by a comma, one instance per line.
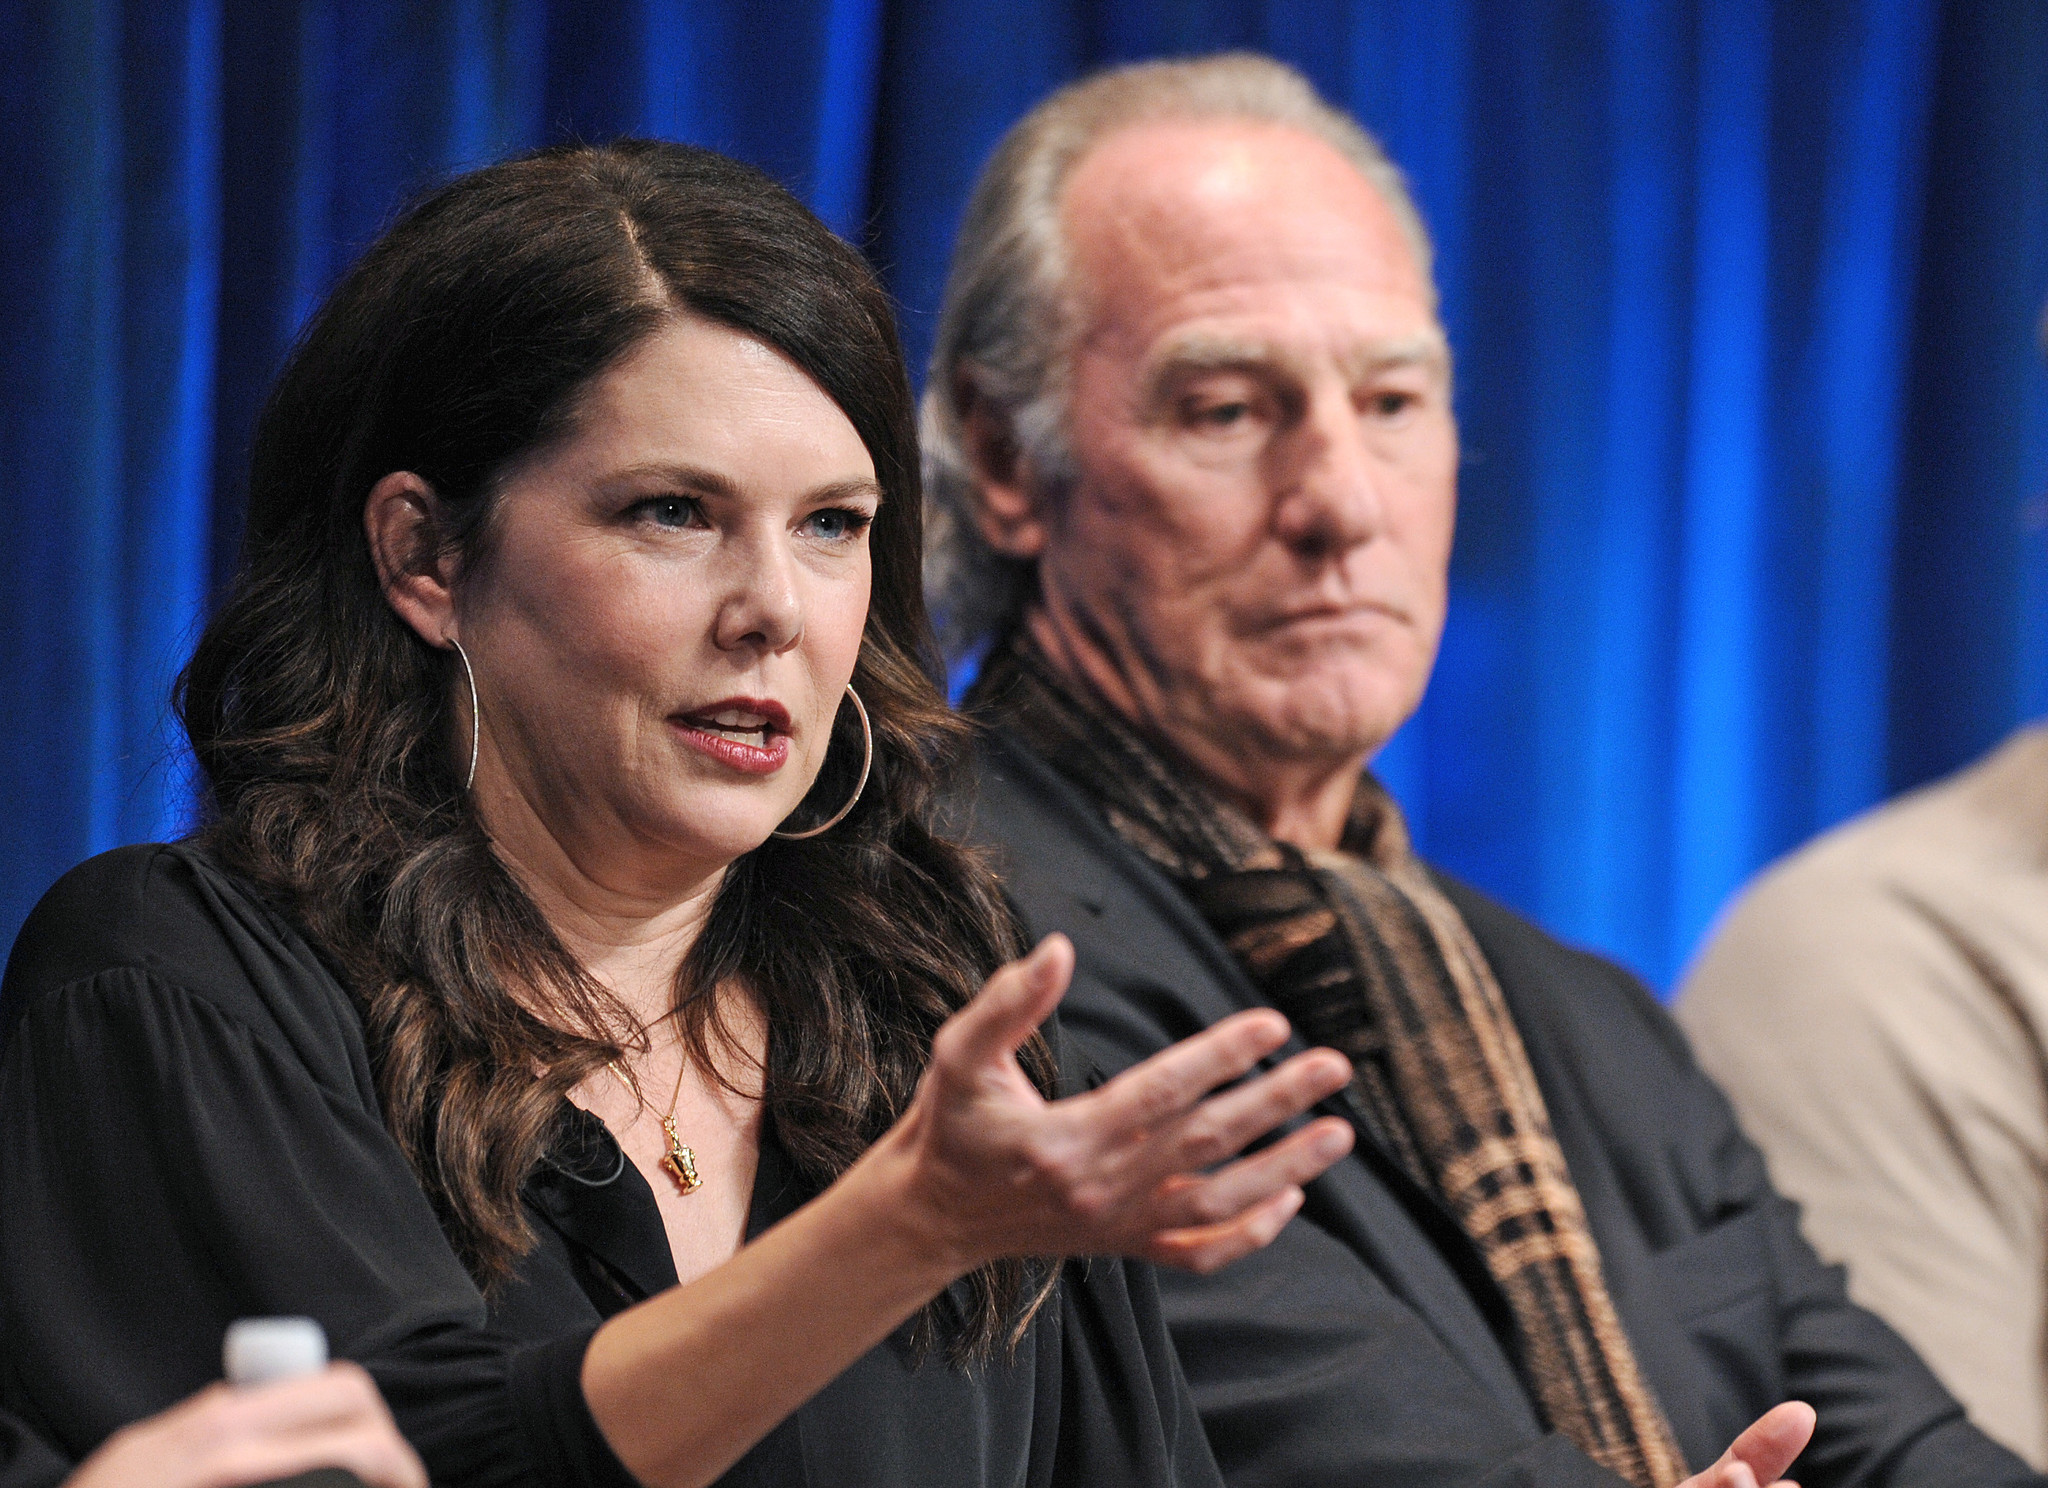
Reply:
x=1550, y=983
x=1141, y=940
x=1149, y=969
x=1045, y=839
x=1879, y=902
x=1006, y=792
x=1989, y=817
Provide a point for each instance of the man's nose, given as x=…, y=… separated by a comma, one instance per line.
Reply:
x=763, y=604
x=1330, y=498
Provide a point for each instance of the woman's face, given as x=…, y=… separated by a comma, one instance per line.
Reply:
x=669, y=613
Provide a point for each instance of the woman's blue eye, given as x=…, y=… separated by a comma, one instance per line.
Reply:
x=669, y=511
x=836, y=524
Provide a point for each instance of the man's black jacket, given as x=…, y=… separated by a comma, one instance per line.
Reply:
x=1367, y=1347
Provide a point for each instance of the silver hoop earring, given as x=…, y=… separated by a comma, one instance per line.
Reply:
x=476, y=717
x=867, y=763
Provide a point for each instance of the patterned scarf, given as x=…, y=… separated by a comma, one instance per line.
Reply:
x=1362, y=952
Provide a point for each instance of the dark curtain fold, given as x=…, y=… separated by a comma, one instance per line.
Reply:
x=1744, y=296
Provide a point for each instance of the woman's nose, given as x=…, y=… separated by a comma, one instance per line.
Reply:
x=763, y=608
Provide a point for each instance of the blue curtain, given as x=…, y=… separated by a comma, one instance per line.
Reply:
x=1743, y=294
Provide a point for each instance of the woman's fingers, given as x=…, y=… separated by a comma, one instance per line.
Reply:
x=1224, y=1124
x=1197, y=1200
x=1207, y=1248
x=1165, y=1086
x=1122, y=1168
x=1218, y=1128
x=1010, y=1005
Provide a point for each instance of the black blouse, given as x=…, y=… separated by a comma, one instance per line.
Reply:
x=189, y=1133
x=26, y=1462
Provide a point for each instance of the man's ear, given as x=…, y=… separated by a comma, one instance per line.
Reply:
x=1008, y=504
x=402, y=520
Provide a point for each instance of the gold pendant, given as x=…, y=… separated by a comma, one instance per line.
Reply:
x=681, y=1162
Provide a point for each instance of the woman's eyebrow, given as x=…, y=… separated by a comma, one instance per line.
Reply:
x=698, y=481
x=860, y=489
x=692, y=478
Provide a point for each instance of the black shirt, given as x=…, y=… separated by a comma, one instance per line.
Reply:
x=26, y=1462
x=190, y=1133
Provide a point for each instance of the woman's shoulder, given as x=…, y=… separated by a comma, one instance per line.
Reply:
x=167, y=914
x=142, y=906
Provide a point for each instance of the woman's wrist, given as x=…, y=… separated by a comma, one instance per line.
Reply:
x=902, y=1215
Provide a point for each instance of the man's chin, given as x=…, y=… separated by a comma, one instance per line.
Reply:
x=1302, y=739
x=1316, y=719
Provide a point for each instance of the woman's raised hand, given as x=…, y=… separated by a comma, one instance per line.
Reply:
x=1123, y=1169
x=979, y=1167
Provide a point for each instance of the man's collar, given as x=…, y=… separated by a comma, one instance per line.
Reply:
x=1154, y=798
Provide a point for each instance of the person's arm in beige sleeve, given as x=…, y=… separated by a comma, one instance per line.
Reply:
x=1882, y=1061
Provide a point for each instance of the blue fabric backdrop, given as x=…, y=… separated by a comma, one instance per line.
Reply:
x=1743, y=296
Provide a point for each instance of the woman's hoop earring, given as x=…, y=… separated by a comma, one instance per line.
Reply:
x=476, y=718
x=867, y=762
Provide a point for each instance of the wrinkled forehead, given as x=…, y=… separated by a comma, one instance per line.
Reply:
x=1164, y=212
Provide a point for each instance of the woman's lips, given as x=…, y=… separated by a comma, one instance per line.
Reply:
x=750, y=735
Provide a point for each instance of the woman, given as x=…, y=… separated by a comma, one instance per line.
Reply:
x=571, y=914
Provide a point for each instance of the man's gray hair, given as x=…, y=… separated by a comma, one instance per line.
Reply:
x=1006, y=322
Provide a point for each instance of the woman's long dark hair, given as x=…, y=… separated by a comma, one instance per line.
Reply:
x=460, y=341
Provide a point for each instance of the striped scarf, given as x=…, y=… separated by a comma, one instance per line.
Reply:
x=1364, y=953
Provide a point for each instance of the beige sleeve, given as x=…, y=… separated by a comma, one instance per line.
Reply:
x=1897, y=1093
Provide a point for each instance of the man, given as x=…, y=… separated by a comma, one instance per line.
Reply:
x=1194, y=466
x=1877, y=1006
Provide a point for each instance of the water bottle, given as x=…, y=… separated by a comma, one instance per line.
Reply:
x=262, y=1351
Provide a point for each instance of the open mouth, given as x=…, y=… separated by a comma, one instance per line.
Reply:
x=749, y=735
x=735, y=724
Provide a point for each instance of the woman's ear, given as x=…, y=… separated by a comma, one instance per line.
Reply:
x=1006, y=496
x=402, y=521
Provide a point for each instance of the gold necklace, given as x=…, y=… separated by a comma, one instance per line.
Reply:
x=679, y=1161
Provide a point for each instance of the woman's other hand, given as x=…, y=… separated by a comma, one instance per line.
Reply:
x=225, y=1437
x=1123, y=1169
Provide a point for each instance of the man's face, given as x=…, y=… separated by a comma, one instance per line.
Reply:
x=1261, y=429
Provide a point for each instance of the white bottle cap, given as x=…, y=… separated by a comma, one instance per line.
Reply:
x=258, y=1351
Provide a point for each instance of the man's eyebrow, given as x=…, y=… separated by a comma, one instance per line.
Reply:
x=1202, y=352
x=695, y=480
x=1427, y=349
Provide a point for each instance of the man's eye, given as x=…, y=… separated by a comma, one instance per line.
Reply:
x=1391, y=404
x=1219, y=415
x=836, y=524
x=668, y=511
